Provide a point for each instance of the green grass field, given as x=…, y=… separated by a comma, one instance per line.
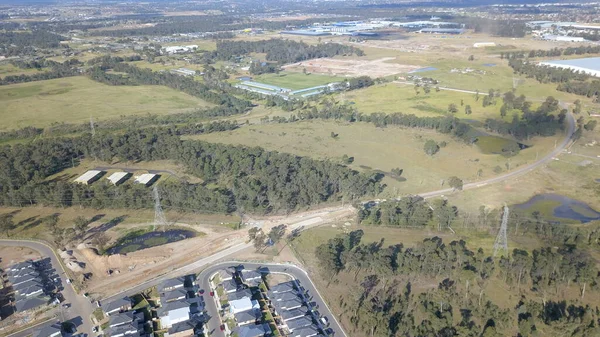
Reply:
x=295, y=81
x=75, y=99
x=7, y=69
x=376, y=150
x=396, y=97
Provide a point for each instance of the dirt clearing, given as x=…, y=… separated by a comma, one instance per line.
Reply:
x=11, y=255
x=347, y=67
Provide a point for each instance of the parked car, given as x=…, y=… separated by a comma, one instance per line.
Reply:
x=201, y=291
x=95, y=329
x=212, y=293
x=222, y=327
x=324, y=321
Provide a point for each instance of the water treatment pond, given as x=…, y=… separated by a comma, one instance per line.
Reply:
x=141, y=240
x=561, y=207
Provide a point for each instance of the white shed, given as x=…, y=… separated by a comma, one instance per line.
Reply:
x=146, y=179
x=119, y=177
x=89, y=177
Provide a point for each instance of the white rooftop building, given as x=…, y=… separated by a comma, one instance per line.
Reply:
x=119, y=177
x=243, y=304
x=89, y=177
x=146, y=179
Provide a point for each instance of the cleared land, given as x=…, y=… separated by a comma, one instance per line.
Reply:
x=351, y=67
x=295, y=81
x=379, y=150
x=74, y=99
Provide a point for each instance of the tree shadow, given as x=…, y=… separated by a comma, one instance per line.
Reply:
x=97, y=217
x=110, y=224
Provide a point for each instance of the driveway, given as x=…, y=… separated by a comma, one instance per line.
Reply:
x=80, y=308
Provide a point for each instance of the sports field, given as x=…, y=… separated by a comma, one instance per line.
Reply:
x=296, y=81
x=75, y=99
x=377, y=150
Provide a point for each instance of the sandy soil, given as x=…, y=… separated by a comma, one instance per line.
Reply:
x=12, y=255
x=133, y=268
x=330, y=66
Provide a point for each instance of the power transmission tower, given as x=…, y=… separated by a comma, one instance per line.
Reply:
x=92, y=126
x=159, y=215
x=502, y=239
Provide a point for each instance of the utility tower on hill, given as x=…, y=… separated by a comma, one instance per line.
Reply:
x=159, y=215
x=502, y=238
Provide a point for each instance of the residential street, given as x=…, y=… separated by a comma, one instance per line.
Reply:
x=80, y=308
x=296, y=272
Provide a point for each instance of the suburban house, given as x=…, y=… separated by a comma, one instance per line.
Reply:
x=225, y=275
x=239, y=294
x=172, y=284
x=26, y=280
x=182, y=329
x=174, y=312
x=299, y=322
x=247, y=317
x=243, y=304
x=294, y=313
x=175, y=295
x=253, y=330
x=116, y=306
x=49, y=331
x=129, y=330
x=306, y=331
x=278, y=297
x=230, y=286
x=128, y=317
x=288, y=305
x=252, y=278
x=283, y=288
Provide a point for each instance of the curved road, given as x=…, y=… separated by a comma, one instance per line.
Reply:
x=525, y=169
x=80, y=308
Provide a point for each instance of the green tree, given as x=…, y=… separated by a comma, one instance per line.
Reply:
x=431, y=147
x=452, y=108
x=590, y=125
x=471, y=58
x=455, y=182
x=7, y=224
x=468, y=110
x=276, y=233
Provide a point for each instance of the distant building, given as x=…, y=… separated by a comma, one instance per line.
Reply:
x=118, y=178
x=146, y=179
x=442, y=30
x=484, y=44
x=180, y=49
x=183, y=72
x=89, y=177
x=563, y=38
x=589, y=65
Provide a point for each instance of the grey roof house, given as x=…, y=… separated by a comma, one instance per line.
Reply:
x=247, y=317
x=122, y=304
x=253, y=330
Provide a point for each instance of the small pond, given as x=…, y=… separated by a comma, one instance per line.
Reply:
x=561, y=207
x=489, y=64
x=420, y=70
x=131, y=243
x=598, y=180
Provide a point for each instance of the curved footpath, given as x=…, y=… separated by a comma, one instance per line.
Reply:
x=525, y=169
x=299, y=274
x=80, y=308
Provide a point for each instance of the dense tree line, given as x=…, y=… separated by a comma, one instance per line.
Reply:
x=554, y=52
x=505, y=28
x=15, y=43
x=215, y=93
x=57, y=70
x=203, y=24
x=528, y=123
x=384, y=302
x=279, y=50
x=568, y=80
x=258, y=180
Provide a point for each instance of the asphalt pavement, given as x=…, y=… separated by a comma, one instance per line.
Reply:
x=80, y=308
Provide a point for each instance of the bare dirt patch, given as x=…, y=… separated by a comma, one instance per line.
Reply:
x=10, y=255
x=352, y=67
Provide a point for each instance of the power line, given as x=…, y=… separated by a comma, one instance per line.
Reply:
x=159, y=215
x=502, y=239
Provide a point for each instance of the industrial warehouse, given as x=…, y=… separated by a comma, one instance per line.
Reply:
x=590, y=65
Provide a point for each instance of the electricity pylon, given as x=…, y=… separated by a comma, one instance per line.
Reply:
x=159, y=215
x=502, y=239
